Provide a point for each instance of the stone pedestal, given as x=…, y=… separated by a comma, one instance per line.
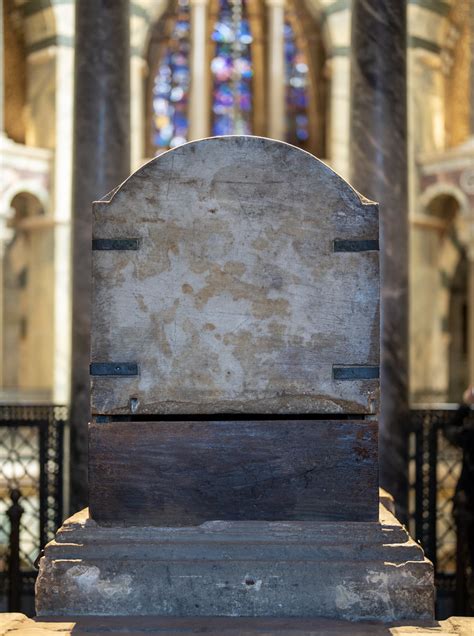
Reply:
x=350, y=570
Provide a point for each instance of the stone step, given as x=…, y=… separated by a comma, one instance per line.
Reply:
x=354, y=571
x=20, y=625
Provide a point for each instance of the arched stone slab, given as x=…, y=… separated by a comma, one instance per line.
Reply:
x=235, y=274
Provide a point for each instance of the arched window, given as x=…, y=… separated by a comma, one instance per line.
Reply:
x=296, y=85
x=232, y=70
x=237, y=74
x=170, y=92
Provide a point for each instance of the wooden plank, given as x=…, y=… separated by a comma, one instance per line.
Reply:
x=255, y=274
x=186, y=473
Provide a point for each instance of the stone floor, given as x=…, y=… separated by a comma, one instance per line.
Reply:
x=20, y=625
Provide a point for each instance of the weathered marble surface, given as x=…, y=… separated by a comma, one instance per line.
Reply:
x=353, y=571
x=235, y=300
x=101, y=160
x=378, y=161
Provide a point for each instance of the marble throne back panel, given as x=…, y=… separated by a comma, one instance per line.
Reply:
x=235, y=274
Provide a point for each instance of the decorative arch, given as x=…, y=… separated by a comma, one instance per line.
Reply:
x=144, y=33
x=168, y=62
x=448, y=207
x=26, y=186
x=444, y=189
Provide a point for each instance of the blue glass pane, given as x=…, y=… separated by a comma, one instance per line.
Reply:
x=171, y=86
x=297, y=82
x=232, y=70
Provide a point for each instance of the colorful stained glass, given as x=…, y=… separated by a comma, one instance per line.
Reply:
x=171, y=86
x=297, y=83
x=232, y=70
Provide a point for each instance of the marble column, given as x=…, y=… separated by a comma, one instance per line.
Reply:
x=338, y=132
x=199, y=115
x=337, y=27
x=137, y=108
x=276, y=69
x=378, y=166
x=101, y=160
x=62, y=210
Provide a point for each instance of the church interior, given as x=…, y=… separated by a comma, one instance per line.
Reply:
x=203, y=68
x=220, y=85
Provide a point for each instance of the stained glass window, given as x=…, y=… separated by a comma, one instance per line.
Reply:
x=297, y=83
x=232, y=70
x=171, y=85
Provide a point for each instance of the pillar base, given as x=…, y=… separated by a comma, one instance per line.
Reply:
x=343, y=570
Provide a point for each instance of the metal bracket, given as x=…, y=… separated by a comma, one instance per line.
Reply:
x=356, y=245
x=114, y=368
x=115, y=244
x=355, y=372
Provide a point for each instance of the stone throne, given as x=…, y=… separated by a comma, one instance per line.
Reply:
x=234, y=364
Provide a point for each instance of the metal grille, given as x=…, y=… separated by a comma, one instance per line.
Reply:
x=435, y=466
x=31, y=460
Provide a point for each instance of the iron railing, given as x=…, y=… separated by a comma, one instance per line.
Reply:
x=31, y=477
x=434, y=470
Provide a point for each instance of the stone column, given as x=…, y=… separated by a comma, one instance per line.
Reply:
x=101, y=160
x=199, y=115
x=137, y=107
x=339, y=118
x=378, y=161
x=62, y=209
x=337, y=26
x=276, y=69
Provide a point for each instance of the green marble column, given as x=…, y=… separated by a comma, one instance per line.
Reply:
x=101, y=160
x=378, y=164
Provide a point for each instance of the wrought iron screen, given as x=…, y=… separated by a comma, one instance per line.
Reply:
x=31, y=460
x=434, y=469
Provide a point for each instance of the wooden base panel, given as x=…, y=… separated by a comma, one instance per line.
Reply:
x=185, y=473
